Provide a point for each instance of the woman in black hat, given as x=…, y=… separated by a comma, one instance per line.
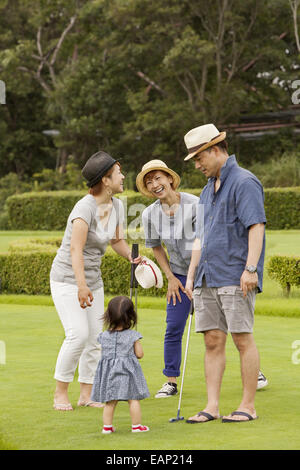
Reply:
x=76, y=283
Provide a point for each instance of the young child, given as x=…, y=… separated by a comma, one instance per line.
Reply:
x=119, y=376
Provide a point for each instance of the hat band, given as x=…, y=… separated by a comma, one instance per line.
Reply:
x=147, y=264
x=101, y=173
x=197, y=147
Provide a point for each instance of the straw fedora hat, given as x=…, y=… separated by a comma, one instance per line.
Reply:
x=148, y=274
x=202, y=137
x=151, y=166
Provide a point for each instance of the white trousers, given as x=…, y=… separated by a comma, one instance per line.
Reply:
x=82, y=327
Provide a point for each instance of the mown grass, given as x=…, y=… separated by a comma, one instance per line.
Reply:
x=33, y=335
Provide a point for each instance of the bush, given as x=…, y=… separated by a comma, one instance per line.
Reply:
x=41, y=211
x=283, y=171
x=50, y=210
x=26, y=273
x=26, y=268
x=282, y=208
x=53, y=180
x=9, y=185
x=285, y=270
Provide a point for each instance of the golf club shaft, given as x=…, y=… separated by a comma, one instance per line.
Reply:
x=135, y=301
x=133, y=281
x=185, y=358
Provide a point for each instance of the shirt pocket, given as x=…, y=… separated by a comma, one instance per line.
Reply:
x=197, y=291
x=221, y=213
x=198, y=301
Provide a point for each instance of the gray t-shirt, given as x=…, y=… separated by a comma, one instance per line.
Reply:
x=176, y=232
x=95, y=246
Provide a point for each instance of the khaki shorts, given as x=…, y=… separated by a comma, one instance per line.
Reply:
x=224, y=308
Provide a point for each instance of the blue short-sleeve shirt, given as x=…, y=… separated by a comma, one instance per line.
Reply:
x=223, y=221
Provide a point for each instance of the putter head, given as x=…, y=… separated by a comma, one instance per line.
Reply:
x=179, y=418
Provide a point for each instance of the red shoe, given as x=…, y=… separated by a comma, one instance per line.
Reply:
x=139, y=428
x=108, y=429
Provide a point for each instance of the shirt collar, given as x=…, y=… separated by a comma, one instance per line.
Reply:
x=226, y=168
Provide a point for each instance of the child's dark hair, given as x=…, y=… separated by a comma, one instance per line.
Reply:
x=120, y=313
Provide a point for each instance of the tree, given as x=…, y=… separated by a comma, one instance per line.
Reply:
x=133, y=77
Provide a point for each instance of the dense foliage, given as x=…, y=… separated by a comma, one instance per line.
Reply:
x=132, y=77
x=26, y=268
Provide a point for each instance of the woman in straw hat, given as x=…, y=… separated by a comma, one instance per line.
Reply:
x=76, y=283
x=170, y=220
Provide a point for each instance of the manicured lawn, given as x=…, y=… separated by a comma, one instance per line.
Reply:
x=7, y=236
x=33, y=334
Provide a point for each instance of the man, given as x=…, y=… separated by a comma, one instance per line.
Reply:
x=226, y=267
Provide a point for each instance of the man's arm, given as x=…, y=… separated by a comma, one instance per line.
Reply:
x=195, y=259
x=255, y=243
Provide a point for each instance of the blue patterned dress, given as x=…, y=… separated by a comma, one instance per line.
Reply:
x=119, y=375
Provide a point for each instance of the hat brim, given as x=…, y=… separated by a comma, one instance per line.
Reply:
x=159, y=276
x=140, y=179
x=211, y=143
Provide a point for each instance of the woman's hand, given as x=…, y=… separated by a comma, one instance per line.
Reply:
x=85, y=297
x=135, y=260
x=174, y=286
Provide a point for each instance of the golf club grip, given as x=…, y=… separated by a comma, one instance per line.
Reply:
x=135, y=250
x=134, y=254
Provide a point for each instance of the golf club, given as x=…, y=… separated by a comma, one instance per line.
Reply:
x=178, y=417
x=133, y=281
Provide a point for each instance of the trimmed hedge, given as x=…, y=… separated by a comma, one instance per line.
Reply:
x=282, y=206
x=50, y=210
x=41, y=211
x=285, y=270
x=26, y=268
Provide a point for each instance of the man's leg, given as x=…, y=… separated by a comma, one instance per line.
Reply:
x=214, y=362
x=249, y=358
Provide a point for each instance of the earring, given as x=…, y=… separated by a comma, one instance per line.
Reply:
x=109, y=191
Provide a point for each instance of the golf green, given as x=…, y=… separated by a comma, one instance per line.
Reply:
x=31, y=335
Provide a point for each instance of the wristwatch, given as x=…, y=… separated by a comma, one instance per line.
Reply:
x=251, y=269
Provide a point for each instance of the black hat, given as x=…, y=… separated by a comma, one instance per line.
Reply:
x=96, y=167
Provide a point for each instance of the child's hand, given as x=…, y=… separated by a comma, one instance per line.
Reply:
x=85, y=297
